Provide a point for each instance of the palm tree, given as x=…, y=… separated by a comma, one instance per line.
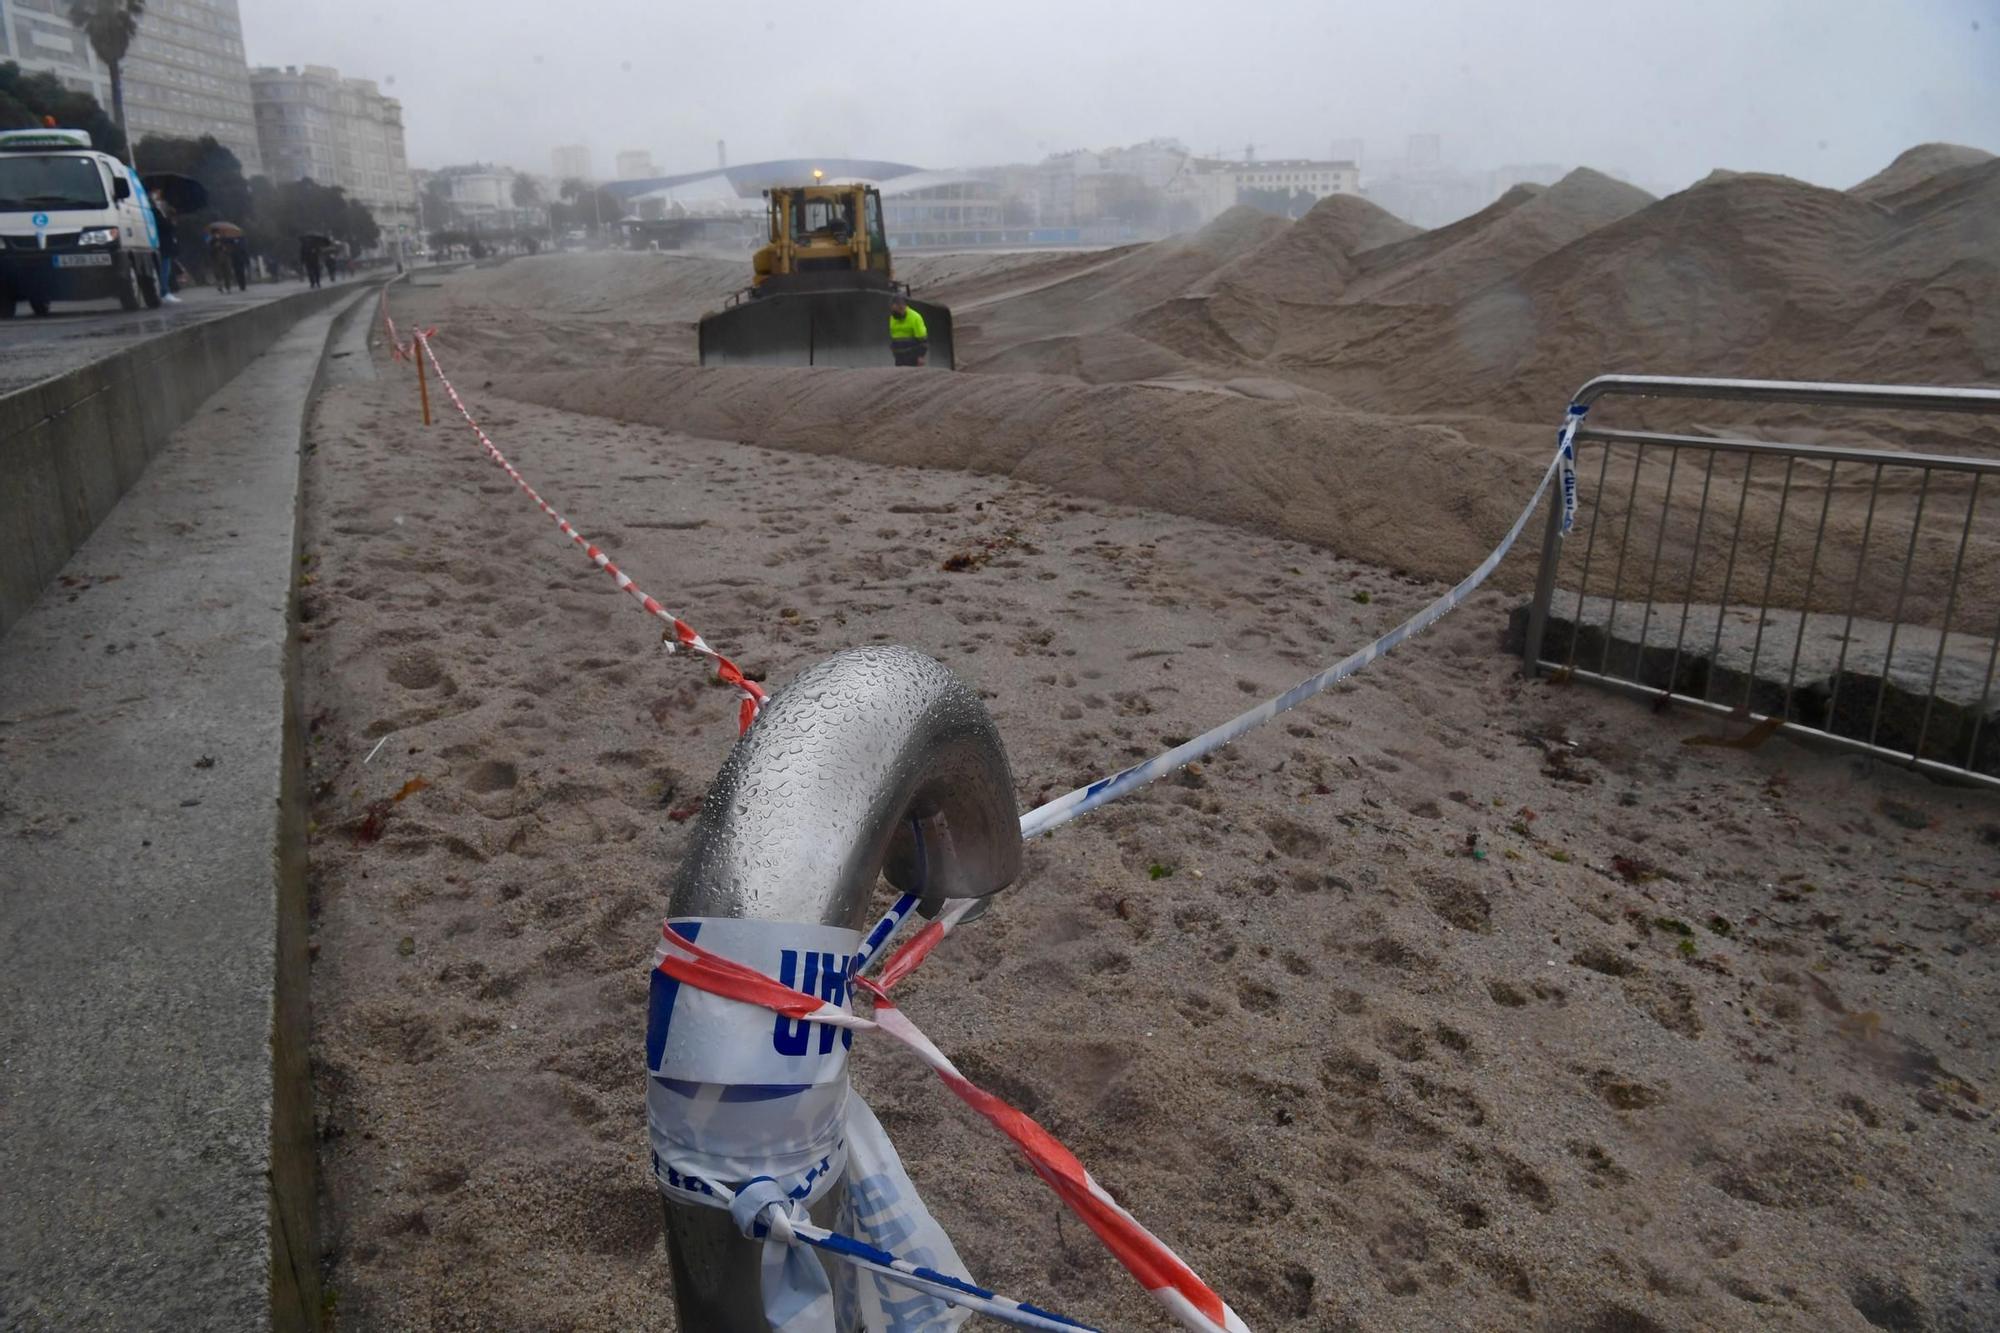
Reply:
x=111, y=25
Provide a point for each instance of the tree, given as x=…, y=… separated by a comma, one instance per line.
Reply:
x=111, y=25
x=527, y=192
x=283, y=213
x=434, y=205
x=25, y=98
x=205, y=160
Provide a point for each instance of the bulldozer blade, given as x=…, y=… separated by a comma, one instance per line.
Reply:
x=833, y=328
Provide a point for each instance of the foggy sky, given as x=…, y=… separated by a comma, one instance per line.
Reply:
x=1828, y=92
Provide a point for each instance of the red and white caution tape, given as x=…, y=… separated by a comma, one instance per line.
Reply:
x=397, y=348
x=1159, y=1270
x=679, y=633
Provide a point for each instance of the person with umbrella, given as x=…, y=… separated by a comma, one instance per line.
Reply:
x=172, y=195
x=226, y=242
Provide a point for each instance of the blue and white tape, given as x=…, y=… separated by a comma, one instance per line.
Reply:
x=1068, y=806
x=1566, y=461
x=796, y=1297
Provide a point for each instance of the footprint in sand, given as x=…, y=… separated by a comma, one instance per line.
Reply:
x=490, y=776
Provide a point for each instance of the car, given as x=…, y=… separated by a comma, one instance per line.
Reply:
x=75, y=225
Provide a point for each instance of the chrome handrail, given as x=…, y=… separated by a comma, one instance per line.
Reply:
x=876, y=762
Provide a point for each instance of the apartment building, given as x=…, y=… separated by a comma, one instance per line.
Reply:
x=312, y=123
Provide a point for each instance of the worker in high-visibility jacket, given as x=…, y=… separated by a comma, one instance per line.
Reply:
x=908, y=338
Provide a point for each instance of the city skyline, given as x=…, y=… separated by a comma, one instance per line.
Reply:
x=1501, y=86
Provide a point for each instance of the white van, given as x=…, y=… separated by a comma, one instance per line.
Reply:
x=75, y=225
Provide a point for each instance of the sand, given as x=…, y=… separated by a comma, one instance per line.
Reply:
x=1917, y=165
x=1496, y=243
x=1445, y=1002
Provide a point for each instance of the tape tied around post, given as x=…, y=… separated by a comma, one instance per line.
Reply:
x=735, y=1092
x=750, y=1110
x=1566, y=462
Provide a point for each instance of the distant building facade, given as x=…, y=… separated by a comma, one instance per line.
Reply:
x=1153, y=163
x=1290, y=175
x=942, y=209
x=481, y=195
x=1207, y=187
x=185, y=76
x=635, y=164
x=571, y=160
x=37, y=36
x=312, y=123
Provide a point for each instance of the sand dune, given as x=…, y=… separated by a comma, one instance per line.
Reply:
x=1917, y=165
x=1505, y=243
x=1312, y=259
x=1757, y=276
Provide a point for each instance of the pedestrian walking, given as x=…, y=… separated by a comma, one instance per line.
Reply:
x=170, y=247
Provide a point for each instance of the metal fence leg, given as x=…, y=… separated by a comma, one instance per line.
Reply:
x=1545, y=588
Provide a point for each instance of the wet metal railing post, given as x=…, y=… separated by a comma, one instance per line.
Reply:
x=1944, y=626
x=1770, y=576
x=1694, y=567
x=876, y=762
x=1853, y=596
x=1985, y=697
x=1728, y=577
x=1545, y=586
x=1896, y=620
x=1805, y=601
x=1618, y=572
x=1659, y=544
x=1589, y=549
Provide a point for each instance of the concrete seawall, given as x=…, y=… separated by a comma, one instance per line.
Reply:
x=159, y=1150
x=72, y=445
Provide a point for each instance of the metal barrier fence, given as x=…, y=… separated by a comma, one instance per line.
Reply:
x=1850, y=596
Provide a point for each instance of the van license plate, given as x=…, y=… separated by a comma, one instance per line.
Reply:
x=82, y=261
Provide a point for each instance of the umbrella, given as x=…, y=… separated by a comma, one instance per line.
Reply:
x=317, y=238
x=183, y=194
x=226, y=230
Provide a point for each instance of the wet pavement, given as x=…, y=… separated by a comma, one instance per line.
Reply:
x=75, y=333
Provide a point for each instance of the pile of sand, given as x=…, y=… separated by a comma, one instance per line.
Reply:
x=1748, y=274
x=1311, y=260
x=1754, y=276
x=629, y=285
x=1522, y=227
x=1506, y=312
x=1106, y=295
x=1302, y=467
x=1917, y=165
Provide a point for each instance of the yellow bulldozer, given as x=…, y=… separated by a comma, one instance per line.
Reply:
x=820, y=288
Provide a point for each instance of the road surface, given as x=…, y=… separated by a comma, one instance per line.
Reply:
x=75, y=333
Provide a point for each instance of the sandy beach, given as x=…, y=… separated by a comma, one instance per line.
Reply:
x=1446, y=1002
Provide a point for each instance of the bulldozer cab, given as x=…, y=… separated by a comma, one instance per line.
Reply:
x=825, y=229
x=820, y=288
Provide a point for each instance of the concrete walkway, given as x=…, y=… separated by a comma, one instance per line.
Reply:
x=155, y=1107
